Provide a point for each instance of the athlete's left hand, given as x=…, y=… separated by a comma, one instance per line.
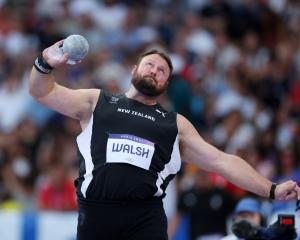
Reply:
x=288, y=190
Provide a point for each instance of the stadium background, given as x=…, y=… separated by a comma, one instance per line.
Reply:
x=236, y=77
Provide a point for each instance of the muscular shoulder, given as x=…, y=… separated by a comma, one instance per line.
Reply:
x=91, y=97
x=183, y=124
x=95, y=93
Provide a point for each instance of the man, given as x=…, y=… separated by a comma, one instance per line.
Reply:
x=203, y=202
x=130, y=148
x=247, y=209
x=249, y=223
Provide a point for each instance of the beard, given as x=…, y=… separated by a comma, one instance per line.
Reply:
x=147, y=85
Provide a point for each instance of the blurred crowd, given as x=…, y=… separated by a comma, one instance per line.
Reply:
x=236, y=77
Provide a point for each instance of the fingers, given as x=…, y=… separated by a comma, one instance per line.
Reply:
x=288, y=191
x=59, y=43
x=289, y=196
x=55, y=45
x=289, y=185
x=52, y=57
x=55, y=56
x=65, y=58
x=297, y=190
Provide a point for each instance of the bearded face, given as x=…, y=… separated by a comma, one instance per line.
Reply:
x=148, y=84
x=151, y=75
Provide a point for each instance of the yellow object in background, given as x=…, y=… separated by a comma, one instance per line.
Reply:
x=10, y=205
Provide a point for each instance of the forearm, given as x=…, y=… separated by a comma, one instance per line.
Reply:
x=195, y=150
x=40, y=84
x=240, y=173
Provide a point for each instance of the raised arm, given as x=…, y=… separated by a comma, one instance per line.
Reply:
x=78, y=104
x=195, y=150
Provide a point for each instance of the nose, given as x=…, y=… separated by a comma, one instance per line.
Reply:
x=153, y=71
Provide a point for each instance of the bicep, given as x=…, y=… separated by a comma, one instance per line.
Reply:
x=78, y=104
x=194, y=149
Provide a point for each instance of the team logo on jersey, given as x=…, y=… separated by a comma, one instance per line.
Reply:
x=162, y=113
x=125, y=148
x=114, y=100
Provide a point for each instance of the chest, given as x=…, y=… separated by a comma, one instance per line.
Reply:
x=148, y=122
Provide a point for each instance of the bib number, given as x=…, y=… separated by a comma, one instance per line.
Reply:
x=125, y=148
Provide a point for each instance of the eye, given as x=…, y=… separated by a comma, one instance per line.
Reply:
x=162, y=70
x=149, y=64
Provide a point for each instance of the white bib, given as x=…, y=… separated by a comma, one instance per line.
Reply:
x=125, y=148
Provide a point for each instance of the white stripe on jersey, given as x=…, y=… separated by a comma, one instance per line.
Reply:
x=84, y=144
x=171, y=167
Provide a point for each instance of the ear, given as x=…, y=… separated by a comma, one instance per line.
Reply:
x=134, y=69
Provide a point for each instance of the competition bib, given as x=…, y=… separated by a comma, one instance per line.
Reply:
x=125, y=148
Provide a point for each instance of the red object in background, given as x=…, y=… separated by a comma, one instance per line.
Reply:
x=62, y=198
x=295, y=94
x=221, y=182
x=286, y=219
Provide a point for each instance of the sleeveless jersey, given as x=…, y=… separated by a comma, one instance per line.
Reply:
x=128, y=151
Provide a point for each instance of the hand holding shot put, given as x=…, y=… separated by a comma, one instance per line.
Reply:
x=130, y=148
x=70, y=50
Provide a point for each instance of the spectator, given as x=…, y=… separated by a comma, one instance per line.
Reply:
x=206, y=207
x=56, y=192
x=239, y=86
x=249, y=209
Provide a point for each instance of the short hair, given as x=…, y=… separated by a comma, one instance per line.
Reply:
x=161, y=53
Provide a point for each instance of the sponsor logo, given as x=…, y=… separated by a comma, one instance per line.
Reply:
x=162, y=113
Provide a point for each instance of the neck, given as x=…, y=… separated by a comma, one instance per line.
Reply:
x=133, y=93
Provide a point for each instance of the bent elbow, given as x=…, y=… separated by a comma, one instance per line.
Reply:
x=39, y=92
